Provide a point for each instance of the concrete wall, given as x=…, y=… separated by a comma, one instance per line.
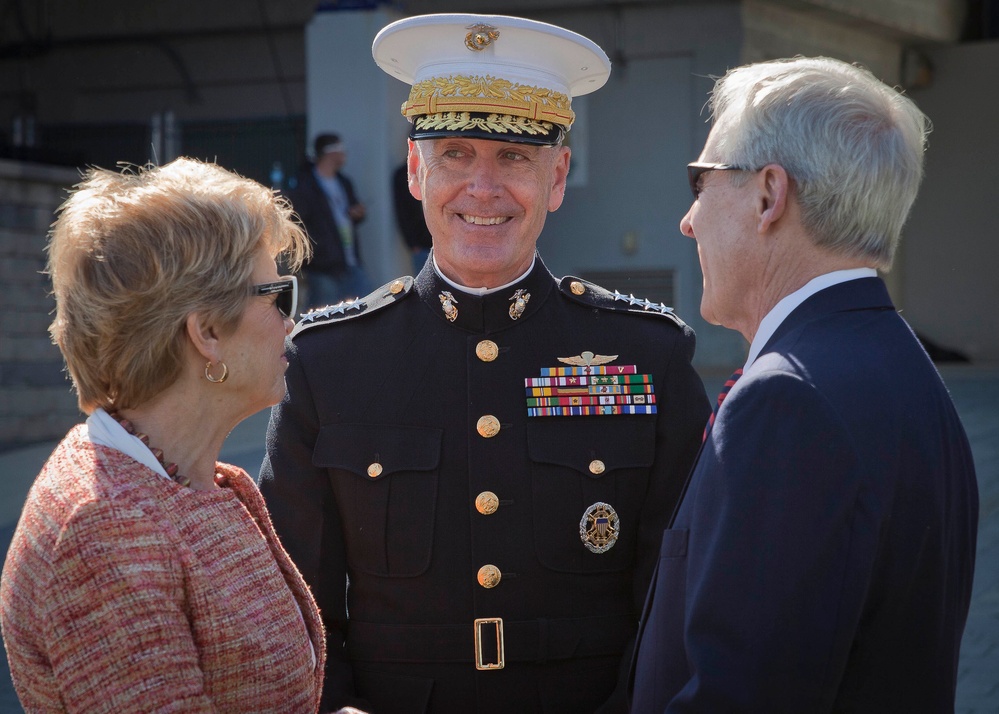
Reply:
x=35, y=399
x=950, y=248
x=641, y=130
x=348, y=94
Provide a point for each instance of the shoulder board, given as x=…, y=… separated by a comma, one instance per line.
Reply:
x=388, y=294
x=587, y=293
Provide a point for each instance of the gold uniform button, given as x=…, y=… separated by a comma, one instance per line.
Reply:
x=488, y=426
x=375, y=470
x=486, y=503
x=396, y=287
x=597, y=467
x=486, y=350
x=577, y=287
x=489, y=576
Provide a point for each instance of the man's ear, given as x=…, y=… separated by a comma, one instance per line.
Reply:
x=774, y=187
x=413, y=165
x=561, y=176
x=203, y=336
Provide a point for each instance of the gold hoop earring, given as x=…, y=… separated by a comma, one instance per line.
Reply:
x=213, y=380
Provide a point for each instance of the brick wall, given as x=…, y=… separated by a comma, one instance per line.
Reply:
x=36, y=399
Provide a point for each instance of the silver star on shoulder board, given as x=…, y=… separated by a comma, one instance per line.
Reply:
x=342, y=307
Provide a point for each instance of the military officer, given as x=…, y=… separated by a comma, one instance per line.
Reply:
x=473, y=468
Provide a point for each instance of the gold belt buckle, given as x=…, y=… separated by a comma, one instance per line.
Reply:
x=500, y=648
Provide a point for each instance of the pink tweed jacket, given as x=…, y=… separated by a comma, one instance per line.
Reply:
x=126, y=592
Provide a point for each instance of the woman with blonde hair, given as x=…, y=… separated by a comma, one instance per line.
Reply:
x=144, y=575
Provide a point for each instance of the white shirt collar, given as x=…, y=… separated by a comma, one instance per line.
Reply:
x=483, y=291
x=780, y=311
x=104, y=430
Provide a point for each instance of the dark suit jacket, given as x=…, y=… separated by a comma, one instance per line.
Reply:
x=822, y=557
x=313, y=208
x=389, y=381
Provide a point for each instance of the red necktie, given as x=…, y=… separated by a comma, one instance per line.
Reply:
x=721, y=398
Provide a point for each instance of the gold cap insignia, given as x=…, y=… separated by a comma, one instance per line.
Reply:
x=481, y=36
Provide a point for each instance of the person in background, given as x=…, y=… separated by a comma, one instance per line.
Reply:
x=821, y=559
x=325, y=201
x=479, y=506
x=409, y=218
x=145, y=575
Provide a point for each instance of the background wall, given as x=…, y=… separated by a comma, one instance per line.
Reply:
x=35, y=397
x=349, y=94
x=248, y=84
x=949, y=289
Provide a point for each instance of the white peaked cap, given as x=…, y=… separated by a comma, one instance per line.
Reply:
x=491, y=76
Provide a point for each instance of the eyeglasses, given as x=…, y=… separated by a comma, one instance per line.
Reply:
x=286, y=290
x=697, y=168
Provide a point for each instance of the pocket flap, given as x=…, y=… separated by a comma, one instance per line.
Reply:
x=360, y=447
x=577, y=442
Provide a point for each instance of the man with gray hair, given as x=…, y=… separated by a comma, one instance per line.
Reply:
x=821, y=558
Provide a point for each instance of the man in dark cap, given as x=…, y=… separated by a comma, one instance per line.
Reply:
x=473, y=469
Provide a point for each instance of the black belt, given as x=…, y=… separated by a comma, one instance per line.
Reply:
x=518, y=641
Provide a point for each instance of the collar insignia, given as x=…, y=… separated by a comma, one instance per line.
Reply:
x=519, y=300
x=448, y=303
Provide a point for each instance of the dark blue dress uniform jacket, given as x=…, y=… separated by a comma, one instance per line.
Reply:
x=822, y=557
x=374, y=464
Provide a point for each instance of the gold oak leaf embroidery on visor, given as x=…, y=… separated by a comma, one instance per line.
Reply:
x=494, y=123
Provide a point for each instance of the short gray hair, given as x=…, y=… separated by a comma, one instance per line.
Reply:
x=852, y=146
x=133, y=252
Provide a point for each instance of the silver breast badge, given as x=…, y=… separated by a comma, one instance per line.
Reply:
x=599, y=527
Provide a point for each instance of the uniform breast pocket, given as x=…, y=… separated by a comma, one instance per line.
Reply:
x=589, y=477
x=384, y=478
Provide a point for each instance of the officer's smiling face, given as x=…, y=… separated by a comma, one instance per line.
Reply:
x=485, y=203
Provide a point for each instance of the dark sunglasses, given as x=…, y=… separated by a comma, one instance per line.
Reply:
x=697, y=168
x=286, y=290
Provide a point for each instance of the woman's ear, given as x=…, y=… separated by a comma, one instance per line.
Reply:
x=203, y=336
